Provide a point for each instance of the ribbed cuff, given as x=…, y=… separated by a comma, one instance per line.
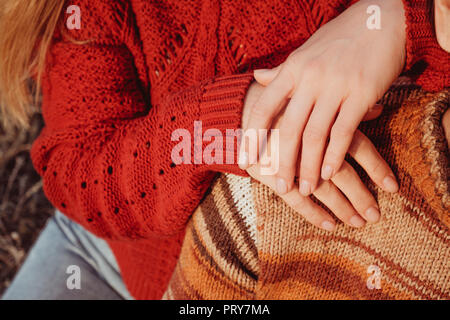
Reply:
x=221, y=109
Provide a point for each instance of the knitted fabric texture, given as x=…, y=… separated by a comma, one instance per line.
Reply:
x=142, y=69
x=288, y=258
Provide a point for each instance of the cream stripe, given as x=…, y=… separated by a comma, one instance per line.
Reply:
x=241, y=191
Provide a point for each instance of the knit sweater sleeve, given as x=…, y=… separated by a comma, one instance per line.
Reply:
x=428, y=63
x=105, y=153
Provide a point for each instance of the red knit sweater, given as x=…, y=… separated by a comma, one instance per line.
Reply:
x=149, y=67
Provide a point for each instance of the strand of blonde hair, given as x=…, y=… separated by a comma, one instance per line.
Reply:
x=26, y=32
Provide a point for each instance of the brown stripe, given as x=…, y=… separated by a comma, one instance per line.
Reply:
x=240, y=223
x=222, y=238
x=236, y=274
x=202, y=250
x=429, y=286
x=430, y=227
x=230, y=284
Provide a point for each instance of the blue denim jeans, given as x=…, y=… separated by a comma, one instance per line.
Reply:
x=68, y=262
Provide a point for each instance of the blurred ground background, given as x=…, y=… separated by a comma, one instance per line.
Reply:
x=23, y=206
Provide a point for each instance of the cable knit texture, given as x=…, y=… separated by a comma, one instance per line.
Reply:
x=140, y=69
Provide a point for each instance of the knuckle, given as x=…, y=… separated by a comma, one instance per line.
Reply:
x=342, y=130
x=359, y=142
x=293, y=60
x=286, y=170
x=335, y=205
x=346, y=174
x=362, y=79
x=333, y=156
x=338, y=75
x=343, y=173
x=379, y=169
x=314, y=68
x=326, y=188
x=260, y=112
x=298, y=204
x=313, y=135
x=288, y=132
x=288, y=72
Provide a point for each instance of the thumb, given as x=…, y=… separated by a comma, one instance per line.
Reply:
x=266, y=76
x=373, y=112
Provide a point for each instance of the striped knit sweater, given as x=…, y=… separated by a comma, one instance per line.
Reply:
x=244, y=242
x=141, y=69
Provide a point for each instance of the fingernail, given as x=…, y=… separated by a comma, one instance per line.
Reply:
x=390, y=184
x=243, y=160
x=357, y=221
x=281, y=186
x=327, y=225
x=305, y=188
x=327, y=172
x=373, y=214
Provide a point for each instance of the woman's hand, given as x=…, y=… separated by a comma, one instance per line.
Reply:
x=332, y=81
x=345, y=195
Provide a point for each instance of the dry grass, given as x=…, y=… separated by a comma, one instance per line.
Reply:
x=23, y=206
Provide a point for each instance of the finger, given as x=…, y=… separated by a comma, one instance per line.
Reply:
x=266, y=76
x=373, y=112
x=341, y=136
x=329, y=195
x=314, y=140
x=291, y=128
x=348, y=181
x=268, y=106
x=248, y=145
x=365, y=153
x=312, y=212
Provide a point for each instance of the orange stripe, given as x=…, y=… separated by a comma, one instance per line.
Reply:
x=351, y=284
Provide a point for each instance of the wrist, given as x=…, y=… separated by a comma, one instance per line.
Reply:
x=392, y=28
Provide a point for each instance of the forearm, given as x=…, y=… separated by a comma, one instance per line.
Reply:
x=105, y=154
